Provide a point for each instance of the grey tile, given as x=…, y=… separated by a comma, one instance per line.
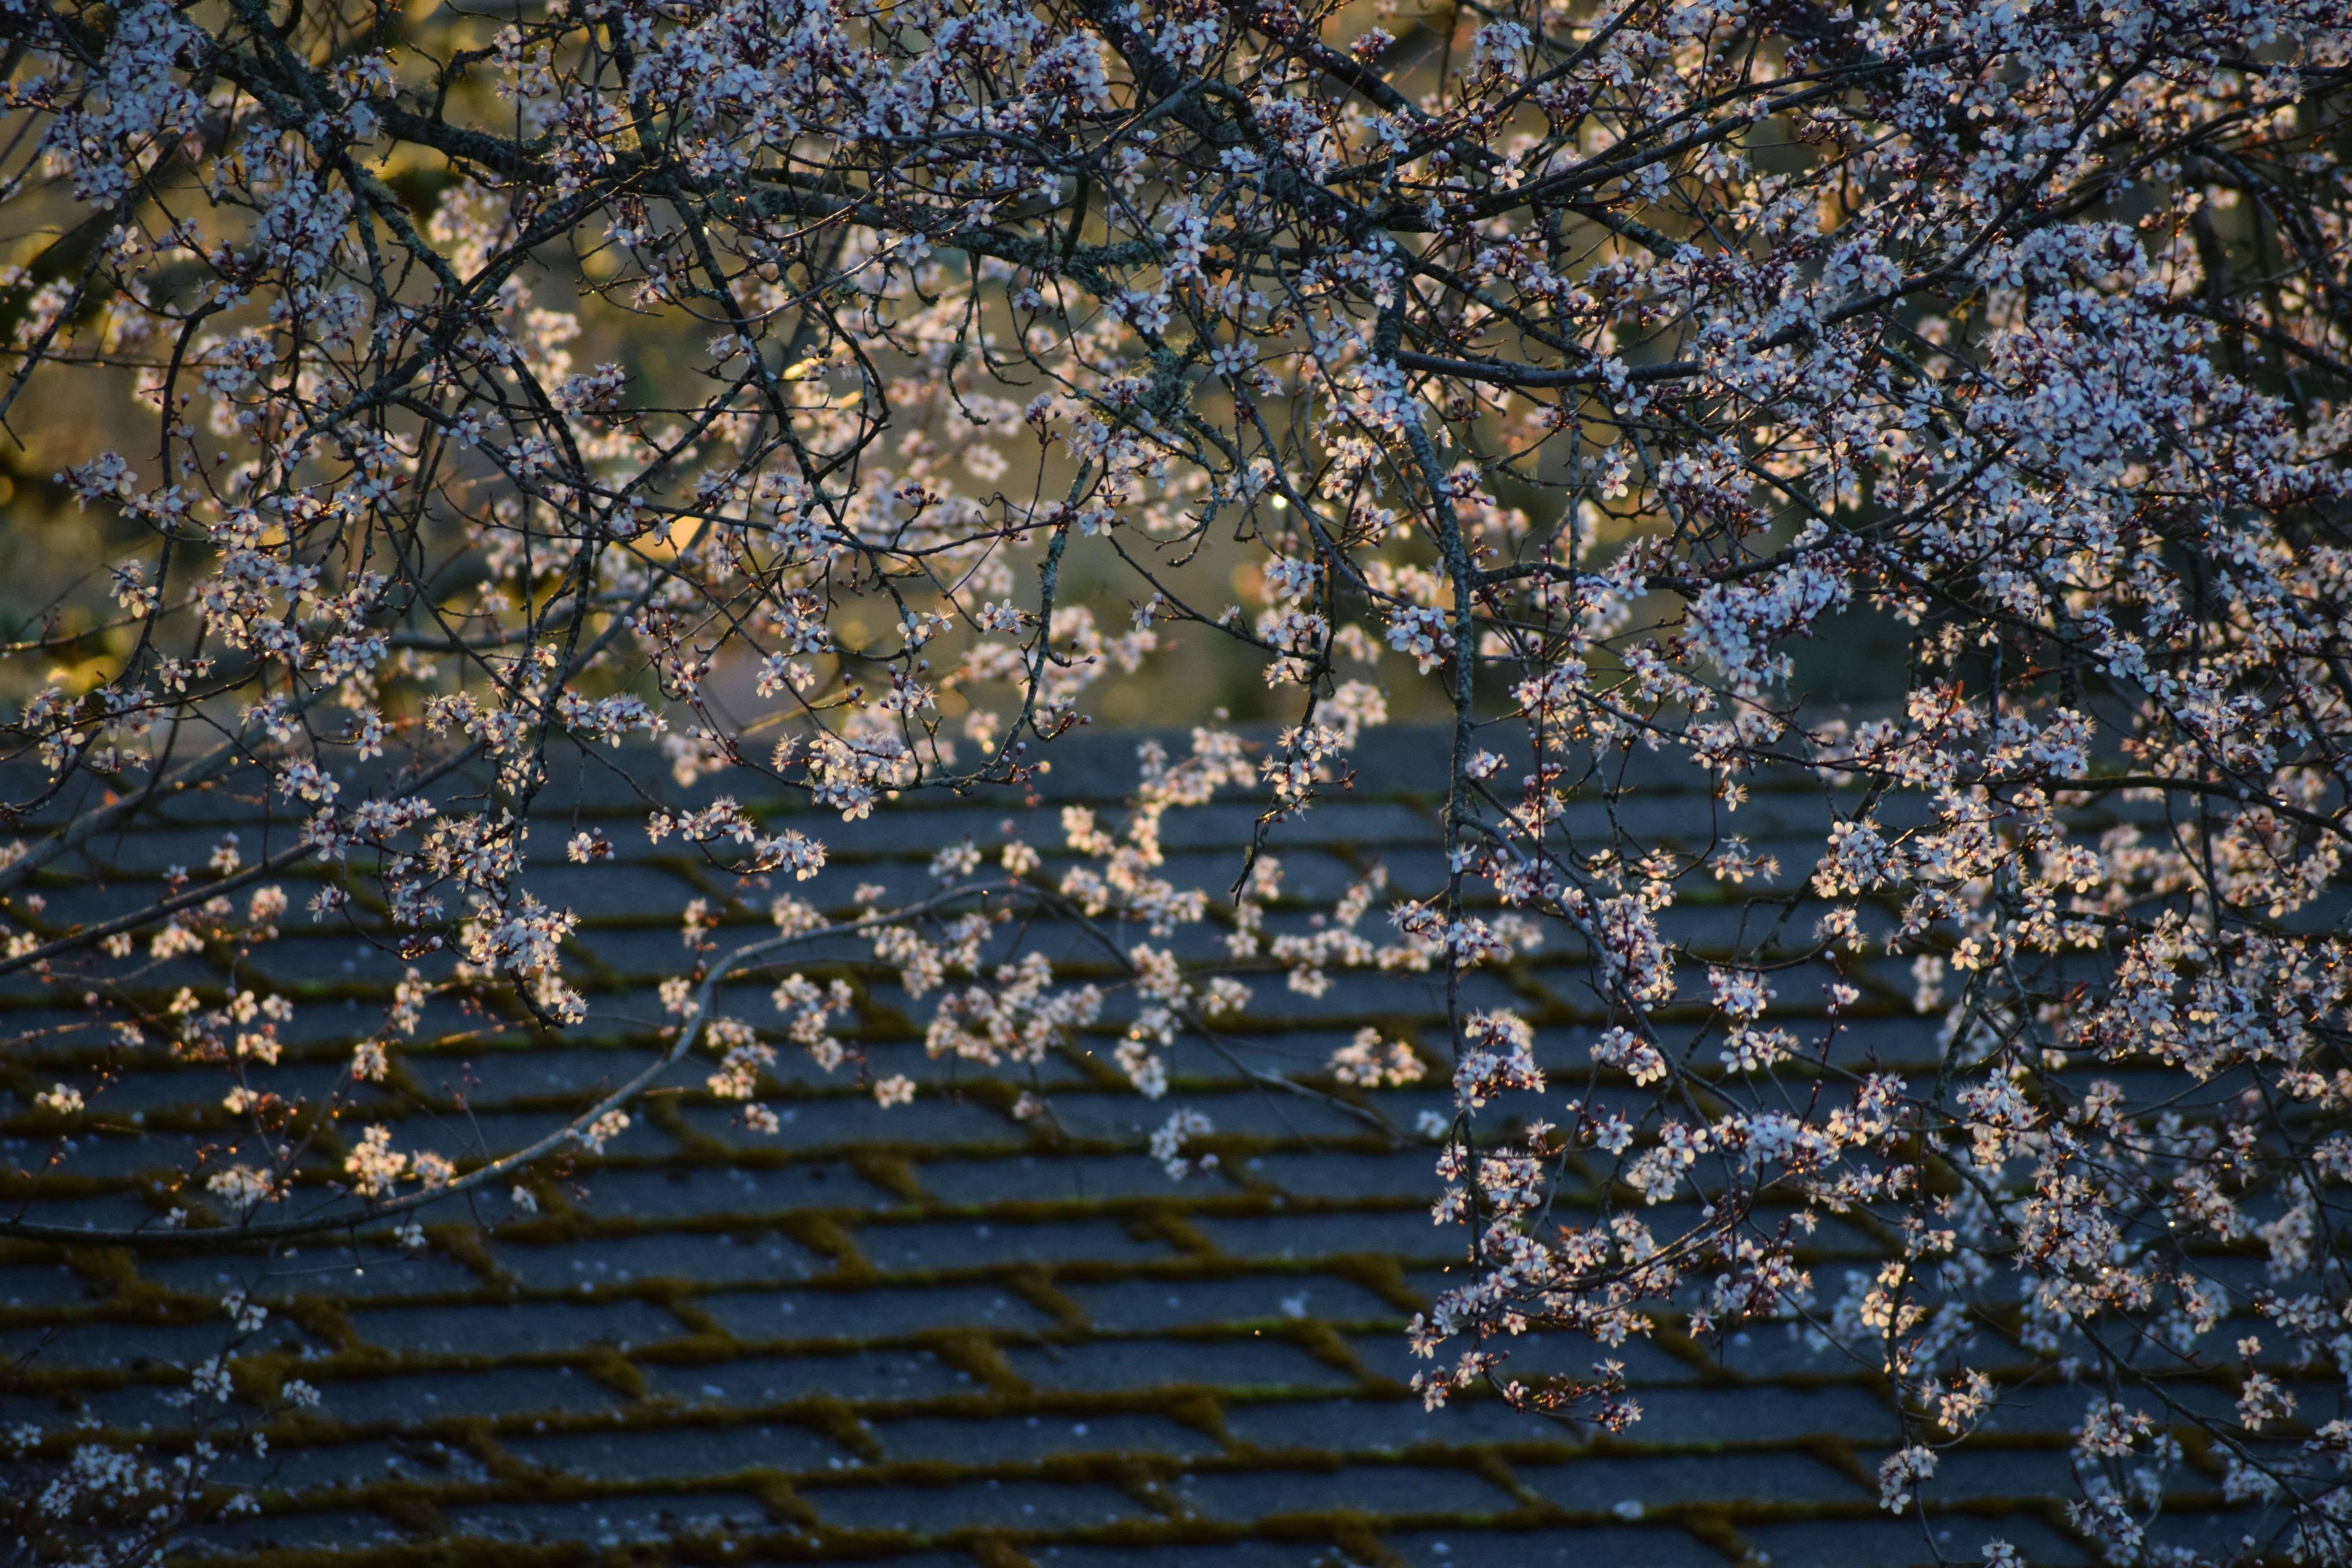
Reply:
x=1595, y=1484
x=311, y=1468
x=102, y=1156
x=142, y=1407
x=644, y=890
x=1132, y=1306
x=925, y=1511
x=1904, y=1543
x=1126, y=1118
x=1332, y=1173
x=1398, y=1234
x=682, y=1190
x=612, y=1521
x=511, y=1328
x=1705, y=1415
x=1197, y=1555
x=1557, y=1546
x=237, y=1539
x=29, y=1284
x=1976, y=1470
x=770, y=1380
x=1018, y=1439
x=628, y=946
x=943, y=1076
x=2219, y=1536
x=910, y=830
x=1381, y=1490
x=2056, y=1410
x=509, y=1391
x=1770, y=1352
x=493, y=1074
x=136, y=1345
x=675, y=1453
x=833, y=1124
x=109, y=1211
x=460, y=1136
x=156, y=847
x=1041, y=1178
x=1531, y=1356
x=690, y=1256
x=1388, y=1425
x=1138, y=1363
x=868, y=1314
x=1275, y=1052
x=298, y=957
x=974, y=1244
x=315, y=1270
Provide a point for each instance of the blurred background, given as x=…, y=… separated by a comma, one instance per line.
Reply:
x=55, y=555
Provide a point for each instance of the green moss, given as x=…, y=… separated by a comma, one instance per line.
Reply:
x=892, y=1171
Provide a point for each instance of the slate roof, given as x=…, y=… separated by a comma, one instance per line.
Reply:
x=938, y=1337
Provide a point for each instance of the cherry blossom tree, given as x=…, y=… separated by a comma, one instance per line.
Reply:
x=1564, y=367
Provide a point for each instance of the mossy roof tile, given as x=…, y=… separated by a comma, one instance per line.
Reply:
x=883, y=1329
